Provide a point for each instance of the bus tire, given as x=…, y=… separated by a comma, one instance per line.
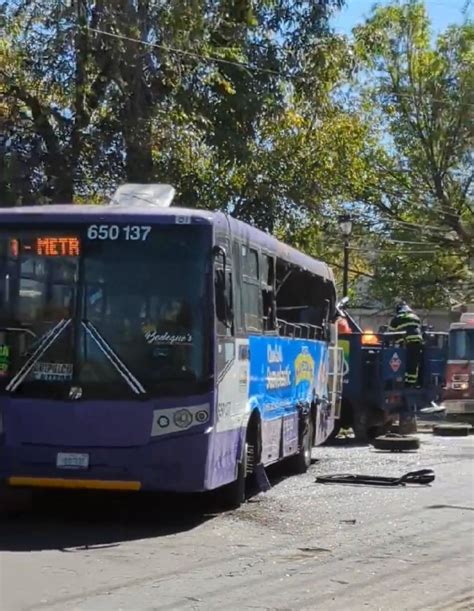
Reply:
x=396, y=443
x=301, y=462
x=452, y=430
x=231, y=496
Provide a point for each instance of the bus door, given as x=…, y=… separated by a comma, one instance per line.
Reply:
x=231, y=355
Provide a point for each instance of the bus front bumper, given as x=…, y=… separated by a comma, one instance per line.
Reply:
x=174, y=465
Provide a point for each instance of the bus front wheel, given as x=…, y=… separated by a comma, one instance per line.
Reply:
x=233, y=495
x=301, y=462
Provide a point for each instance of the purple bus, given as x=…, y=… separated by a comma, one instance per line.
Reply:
x=145, y=347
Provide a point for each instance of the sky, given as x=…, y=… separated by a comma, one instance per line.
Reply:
x=442, y=13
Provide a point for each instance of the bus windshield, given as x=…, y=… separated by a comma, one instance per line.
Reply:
x=108, y=314
x=461, y=345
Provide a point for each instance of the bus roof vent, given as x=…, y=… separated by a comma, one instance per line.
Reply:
x=142, y=195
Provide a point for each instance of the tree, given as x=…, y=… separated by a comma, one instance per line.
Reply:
x=55, y=97
x=418, y=96
x=114, y=90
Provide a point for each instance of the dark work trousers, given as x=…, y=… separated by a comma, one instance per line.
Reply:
x=412, y=371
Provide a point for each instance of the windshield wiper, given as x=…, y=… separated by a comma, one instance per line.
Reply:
x=114, y=359
x=45, y=342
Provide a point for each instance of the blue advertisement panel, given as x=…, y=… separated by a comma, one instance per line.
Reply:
x=284, y=371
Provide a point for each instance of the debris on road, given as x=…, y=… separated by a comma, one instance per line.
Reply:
x=452, y=429
x=434, y=408
x=423, y=476
x=394, y=442
x=261, y=478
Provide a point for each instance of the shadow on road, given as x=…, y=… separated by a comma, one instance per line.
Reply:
x=69, y=521
x=461, y=507
x=345, y=442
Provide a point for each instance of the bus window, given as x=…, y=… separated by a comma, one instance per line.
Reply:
x=250, y=262
x=251, y=294
x=224, y=310
x=237, y=301
x=145, y=306
x=268, y=293
x=303, y=302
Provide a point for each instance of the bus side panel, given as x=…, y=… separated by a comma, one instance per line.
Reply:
x=232, y=409
x=285, y=372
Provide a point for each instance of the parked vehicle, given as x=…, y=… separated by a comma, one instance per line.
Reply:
x=145, y=347
x=374, y=391
x=458, y=396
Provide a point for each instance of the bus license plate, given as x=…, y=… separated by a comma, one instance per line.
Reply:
x=67, y=460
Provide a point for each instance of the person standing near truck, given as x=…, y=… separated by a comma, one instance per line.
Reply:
x=406, y=321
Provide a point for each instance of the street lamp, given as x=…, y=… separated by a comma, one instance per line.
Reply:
x=345, y=226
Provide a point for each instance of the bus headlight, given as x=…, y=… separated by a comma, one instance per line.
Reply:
x=183, y=418
x=179, y=419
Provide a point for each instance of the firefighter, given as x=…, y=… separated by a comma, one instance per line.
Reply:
x=405, y=320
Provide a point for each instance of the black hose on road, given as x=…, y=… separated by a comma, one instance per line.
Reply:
x=424, y=477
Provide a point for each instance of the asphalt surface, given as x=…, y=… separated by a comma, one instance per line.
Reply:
x=302, y=545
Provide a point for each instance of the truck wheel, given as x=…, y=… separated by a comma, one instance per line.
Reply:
x=301, y=462
x=396, y=443
x=360, y=422
x=452, y=430
x=335, y=432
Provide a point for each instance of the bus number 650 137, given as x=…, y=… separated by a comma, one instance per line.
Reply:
x=115, y=232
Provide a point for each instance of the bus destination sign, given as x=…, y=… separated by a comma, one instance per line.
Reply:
x=46, y=246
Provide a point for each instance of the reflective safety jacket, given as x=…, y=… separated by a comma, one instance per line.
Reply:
x=409, y=323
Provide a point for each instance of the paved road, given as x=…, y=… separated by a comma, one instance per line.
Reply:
x=300, y=546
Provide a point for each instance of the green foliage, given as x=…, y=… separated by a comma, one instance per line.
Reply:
x=98, y=107
x=420, y=101
x=258, y=109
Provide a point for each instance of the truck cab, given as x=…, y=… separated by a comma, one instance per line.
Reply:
x=458, y=394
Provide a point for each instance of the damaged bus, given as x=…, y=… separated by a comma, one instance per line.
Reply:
x=147, y=347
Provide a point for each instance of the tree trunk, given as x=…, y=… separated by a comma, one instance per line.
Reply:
x=60, y=188
x=139, y=161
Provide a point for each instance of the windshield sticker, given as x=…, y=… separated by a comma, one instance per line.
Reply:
x=52, y=372
x=154, y=337
x=4, y=360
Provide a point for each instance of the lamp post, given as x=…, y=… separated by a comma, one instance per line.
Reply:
x=345, y=226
